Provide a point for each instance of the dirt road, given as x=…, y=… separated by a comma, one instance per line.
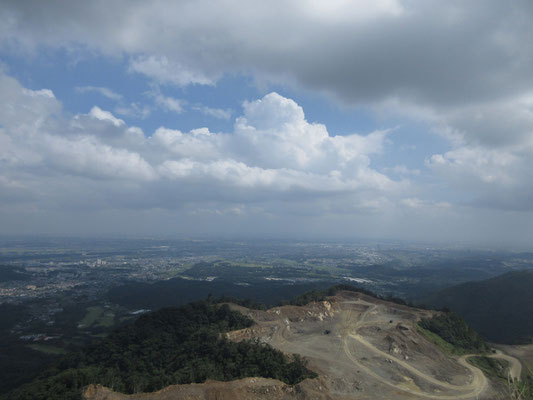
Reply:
x=472, y=390
x=515, y=366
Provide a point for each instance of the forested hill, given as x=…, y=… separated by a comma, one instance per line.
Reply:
x=500, y=308
x=170, y=346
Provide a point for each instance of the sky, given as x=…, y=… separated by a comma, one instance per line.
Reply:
x=391, y=119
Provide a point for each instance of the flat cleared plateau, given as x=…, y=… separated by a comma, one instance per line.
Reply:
x=361, y=348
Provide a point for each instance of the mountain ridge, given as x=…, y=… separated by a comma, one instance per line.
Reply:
x=499, y=308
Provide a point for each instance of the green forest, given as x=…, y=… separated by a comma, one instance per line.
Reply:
x=170, y=346
x=455, y=331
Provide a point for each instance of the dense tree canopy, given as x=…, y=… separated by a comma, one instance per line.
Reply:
x=170, y=346
x=454, y=330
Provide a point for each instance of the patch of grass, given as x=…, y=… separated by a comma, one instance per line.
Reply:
x=525, y=386
x=491, y=366
x=107, y=319
x=446, y=347
x=47, y=349
x=454, y=330
x=93, y=313
x=243, y=264
x=97, y=316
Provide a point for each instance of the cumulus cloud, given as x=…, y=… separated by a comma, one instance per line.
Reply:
x=273, y=132
x=37, y=138
x=273, y=154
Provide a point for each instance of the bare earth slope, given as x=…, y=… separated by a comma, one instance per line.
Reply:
x=361, y=347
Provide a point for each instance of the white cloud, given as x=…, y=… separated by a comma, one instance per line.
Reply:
x=134, y=110
x=402, y=170
x=169, y=103
x=273, y=132
x=274, y=147
x=421, y=205
x=487, y=177
x=39, y=141
x=198, y=144
x=88, y=157
x=491, y=149
x=98, y=113
x=480, y=164
x=349, y=10
x=214, y=112
x=273, y=154
x=164, y=71
x=106, y=92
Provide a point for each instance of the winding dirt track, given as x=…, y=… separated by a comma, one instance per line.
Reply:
x=472, y=390
x=331, y=336
x=515, y=366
